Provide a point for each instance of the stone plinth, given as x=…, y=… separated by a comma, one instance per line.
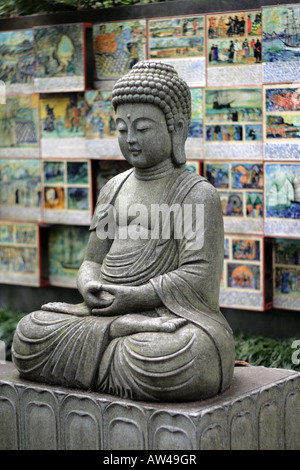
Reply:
x=261, y=410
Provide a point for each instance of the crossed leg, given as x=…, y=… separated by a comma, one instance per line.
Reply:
x=137, y=323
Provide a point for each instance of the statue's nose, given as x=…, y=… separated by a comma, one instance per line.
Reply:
x=131, y=136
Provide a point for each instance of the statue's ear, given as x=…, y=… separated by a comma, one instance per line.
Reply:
x=178, y=137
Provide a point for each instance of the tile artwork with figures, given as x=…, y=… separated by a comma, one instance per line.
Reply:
x=19, y=253
x=240, y=187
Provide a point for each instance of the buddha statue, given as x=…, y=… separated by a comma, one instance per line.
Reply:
x=150, y=327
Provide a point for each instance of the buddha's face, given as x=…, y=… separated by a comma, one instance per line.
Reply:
x=143, y=134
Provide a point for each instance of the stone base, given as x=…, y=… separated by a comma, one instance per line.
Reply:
x=261, y=410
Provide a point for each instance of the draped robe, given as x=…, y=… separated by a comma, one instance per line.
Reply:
x=196, y=361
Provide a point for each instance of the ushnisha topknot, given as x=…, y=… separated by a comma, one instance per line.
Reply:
x=155, y=83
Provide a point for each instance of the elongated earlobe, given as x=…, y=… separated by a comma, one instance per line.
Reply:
x=179, y=136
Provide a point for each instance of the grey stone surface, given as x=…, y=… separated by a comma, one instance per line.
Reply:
x=150, y=327
x=261, y=410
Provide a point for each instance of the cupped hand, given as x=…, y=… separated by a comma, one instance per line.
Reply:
x=95, y=295
x=124, y=300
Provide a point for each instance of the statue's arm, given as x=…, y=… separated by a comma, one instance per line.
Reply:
x=110, y=299
x=88, y=277
x=197, y=278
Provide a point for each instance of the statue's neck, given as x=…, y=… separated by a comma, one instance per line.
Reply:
x=158, y=171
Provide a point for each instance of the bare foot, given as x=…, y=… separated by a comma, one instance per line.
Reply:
x=130, y=324
x=79, y=310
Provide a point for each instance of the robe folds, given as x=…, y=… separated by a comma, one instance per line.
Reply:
x=194, y=362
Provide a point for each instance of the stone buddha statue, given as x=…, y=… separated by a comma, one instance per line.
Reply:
x=150, y=327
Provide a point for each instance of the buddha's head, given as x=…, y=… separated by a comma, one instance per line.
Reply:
x=153, y=106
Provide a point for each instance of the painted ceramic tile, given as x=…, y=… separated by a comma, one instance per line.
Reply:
x=254, y=204
x=176, y=37
x=62, y=119
x=246, y=249
x=53, y=172
x=19, y=254
x=217, y=174
x=66, y=192
x=286, y=258
x=77, y=173
x=282, y=199
x=26, y=234
x=104, y=170
x=6, y=232
x=117, y=47
x=282, y=122
x=234, y=48
x=243, y=276
x=247, y=176
x=67, y=247
x=242, y=285
x=101, y=129
x=281, y=43
x=17, y=62
x=19, y=126
x=59, y=58
x=240, y=186
x=233, y=123
x=232, y=203
x=194, y=142
x=180, y=42
x=20, y=189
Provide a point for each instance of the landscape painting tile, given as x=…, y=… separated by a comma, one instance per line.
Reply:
x=17, y=61
x=19, y=126
x=59, y=58
x=282, y=199
x=194, y=142
x=233, y=123
x=20, y=189
x=176, y=37
x=179, y=41
x=282, y=122
x=281, y=43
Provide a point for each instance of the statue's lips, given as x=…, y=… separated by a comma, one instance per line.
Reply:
x=135, y=152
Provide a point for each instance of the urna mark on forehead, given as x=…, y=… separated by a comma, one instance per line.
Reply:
x=158, y=84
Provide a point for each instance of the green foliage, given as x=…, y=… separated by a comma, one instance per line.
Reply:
x=8, y=323
x=10, y=8
x=267, y=352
